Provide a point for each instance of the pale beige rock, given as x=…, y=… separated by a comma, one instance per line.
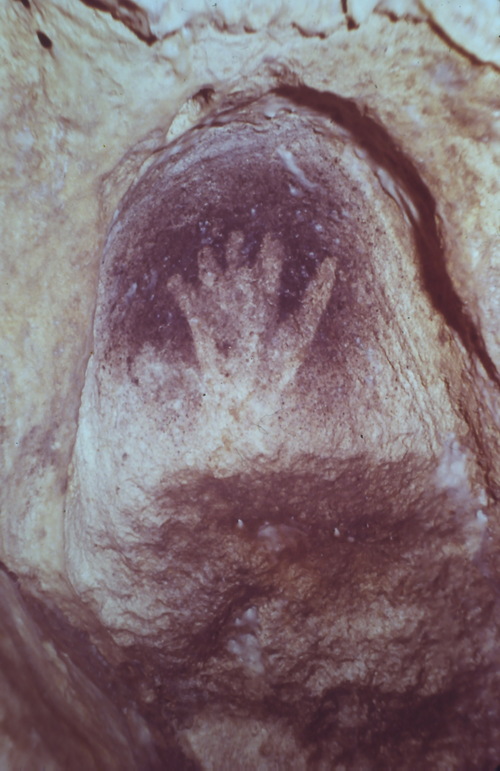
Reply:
x=291, y=664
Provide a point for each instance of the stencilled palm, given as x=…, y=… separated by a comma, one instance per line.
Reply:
x=243, y=349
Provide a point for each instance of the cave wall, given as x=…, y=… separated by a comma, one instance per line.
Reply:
x=92, y=99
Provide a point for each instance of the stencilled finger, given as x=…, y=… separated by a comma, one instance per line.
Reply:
x=209, y=270
x=182, y=293
x=234, y=250
x=316, y=298
x=270, y=265
x=204, y=345
x=188, y=300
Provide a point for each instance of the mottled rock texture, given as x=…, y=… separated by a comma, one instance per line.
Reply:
x=250, y=389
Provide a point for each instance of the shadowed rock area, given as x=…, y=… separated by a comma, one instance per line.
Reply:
x=275, y=526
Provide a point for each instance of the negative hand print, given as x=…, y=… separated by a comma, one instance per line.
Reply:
x=234, y=316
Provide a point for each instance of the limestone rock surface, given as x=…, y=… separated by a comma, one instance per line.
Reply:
x=250, y=386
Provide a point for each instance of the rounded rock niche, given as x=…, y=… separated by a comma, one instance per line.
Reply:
x=259, y=471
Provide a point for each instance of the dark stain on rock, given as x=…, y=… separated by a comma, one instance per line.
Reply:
x=44, y=39
x=217, y=198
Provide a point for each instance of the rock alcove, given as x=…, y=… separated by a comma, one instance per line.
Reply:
x=259, y=465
